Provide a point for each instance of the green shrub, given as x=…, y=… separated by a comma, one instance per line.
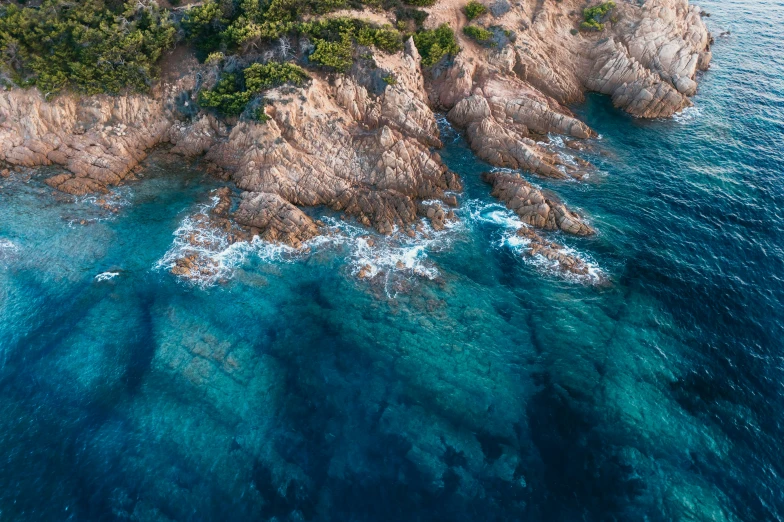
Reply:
x=259, y=115
x=421, y=3
x=227, y=97
x=434, y=44
x=83, y=46
x=479, y=34
x=593, y=16
x=215, y=58
x=334, y=55
x=474, y=9
x=334, y=40
x=233, y=92
x=204, y=24
x=390, y=79
x=385, y=38
x=264, y=76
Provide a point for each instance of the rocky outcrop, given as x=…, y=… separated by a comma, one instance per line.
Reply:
x=532, y=206
x=342, y=146
x=537, y=246
x=279, y=220
x=98, y=139
x=513, y=91
x=353, y=143
x=538, y=211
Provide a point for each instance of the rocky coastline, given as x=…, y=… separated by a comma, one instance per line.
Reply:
x=365, y=146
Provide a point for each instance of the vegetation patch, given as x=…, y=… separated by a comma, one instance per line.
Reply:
x=84, y=46
x=593, y=16
x=107, y=46
x=334, y=55
x=233, y=92
x=474, y=9
x=435, y=44
x=479, y=34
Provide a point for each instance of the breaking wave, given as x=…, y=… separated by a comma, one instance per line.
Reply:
x=508, y=223
x=688, y=115
x=106, y=276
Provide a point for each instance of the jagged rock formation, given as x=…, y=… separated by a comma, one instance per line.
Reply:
x=279, y=220
x=516, y=88
x=539, y=246
x=533, y=207
x=98, y=139
x=343, y=147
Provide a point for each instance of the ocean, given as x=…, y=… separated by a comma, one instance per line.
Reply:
x=464, y=381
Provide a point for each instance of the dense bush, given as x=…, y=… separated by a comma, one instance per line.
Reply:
x=474, y=9
x=593, y=16
x=335, y=55
x=264, y=76
x=94, y=46
x=434, y=44
x=227, y=97
x=233, y=92
x=479, y=34
x=204, y=24
x=84, y=45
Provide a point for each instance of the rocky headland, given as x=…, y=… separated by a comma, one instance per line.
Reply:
x=363, y=141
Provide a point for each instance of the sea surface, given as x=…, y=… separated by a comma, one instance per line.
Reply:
x=465, y=381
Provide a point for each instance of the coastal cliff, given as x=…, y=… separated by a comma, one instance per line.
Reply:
x=363, y=140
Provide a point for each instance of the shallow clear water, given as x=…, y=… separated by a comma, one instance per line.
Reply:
x=465, y=383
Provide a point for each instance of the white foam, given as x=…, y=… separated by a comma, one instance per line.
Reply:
x=107, y=206
x=366, y=254
x=556, y=140
x=476, y=211
x=520, y=245
x=106, y=276
x=214, y=253
x=211, y=248
x=391, y=255
x=8, y=250
x=509, y=223
x=117, y=198
x=446, y=129
x=8, y=245
x=688, y=115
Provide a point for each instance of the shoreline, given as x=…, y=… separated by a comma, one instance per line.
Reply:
x=341, y=142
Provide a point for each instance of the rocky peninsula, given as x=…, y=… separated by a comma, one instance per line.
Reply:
x=360, y=135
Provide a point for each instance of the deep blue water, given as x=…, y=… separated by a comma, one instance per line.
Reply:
x=469, y=384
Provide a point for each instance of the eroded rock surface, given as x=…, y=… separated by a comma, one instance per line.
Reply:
x=509, y=92
x=538, y=211
x=533, y=207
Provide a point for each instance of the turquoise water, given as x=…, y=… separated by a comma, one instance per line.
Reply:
x=463, y=383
